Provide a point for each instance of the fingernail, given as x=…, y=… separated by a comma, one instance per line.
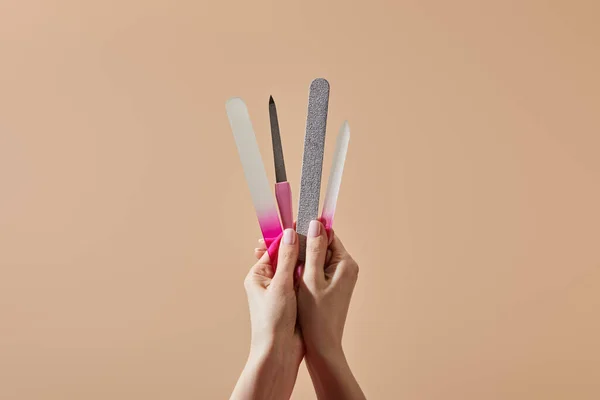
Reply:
x=289, y=236
x=314, y=229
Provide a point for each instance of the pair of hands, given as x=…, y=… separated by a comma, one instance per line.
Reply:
x=304, y=320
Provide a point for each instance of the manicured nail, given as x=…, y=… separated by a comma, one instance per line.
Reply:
x=289, y=236
x=314, y=229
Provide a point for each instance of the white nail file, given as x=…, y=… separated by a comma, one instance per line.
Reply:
x=335, y=176
x=312, y=160
x=254, y=170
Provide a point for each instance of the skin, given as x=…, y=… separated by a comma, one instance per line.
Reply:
x=276, y=347
x=316, y=305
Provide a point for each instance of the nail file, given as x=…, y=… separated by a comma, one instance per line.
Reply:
x=256, y=176
x=283, y=192
x=335, y=176
x=312, y=160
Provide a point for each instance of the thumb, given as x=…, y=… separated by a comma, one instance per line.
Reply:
x=286, y=260
x=316, y=252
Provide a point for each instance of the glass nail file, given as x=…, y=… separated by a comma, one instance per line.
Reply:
x=254, y=170
x=312, y=159
x=283, y=192
x=335, y=176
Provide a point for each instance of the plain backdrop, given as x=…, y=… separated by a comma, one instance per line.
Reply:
x=470, y=197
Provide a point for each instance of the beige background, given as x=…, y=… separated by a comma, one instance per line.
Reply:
x=470, y=197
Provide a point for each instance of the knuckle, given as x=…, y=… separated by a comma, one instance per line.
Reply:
x=316, y=245
x=250, y=278
x=248, y=281
x=352, y=269
x=287, y=257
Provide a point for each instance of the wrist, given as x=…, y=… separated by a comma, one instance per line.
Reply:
x=269, y=350
x=331, y=375
x=325, y=353
x=271, y=371
x=264, y=357
x=329, y=357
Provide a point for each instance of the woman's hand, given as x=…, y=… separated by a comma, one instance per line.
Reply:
x=276, y=349
x=324, y=292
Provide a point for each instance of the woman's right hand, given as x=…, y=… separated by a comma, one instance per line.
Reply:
x=324, y=292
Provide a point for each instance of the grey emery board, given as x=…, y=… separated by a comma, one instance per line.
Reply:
x=312, y=160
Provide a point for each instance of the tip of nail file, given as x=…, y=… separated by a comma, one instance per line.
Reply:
x=271, y=101
x=319, y=82
x=234, y=101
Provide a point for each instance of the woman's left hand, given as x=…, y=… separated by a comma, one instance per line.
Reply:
x=276, y=349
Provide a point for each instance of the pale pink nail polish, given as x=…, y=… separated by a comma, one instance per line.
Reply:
x=289, y=236
x=314, y=229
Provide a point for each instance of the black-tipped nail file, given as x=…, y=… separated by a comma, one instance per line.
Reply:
x=283, y=191
x=312, y=160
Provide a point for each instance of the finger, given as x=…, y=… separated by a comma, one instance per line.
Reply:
x=316, y=251
x=258, y=253
x=346, y=266
x=329, y=266
x=262, y=270
x=260, y=250
x=330, y=236
x=259, y=275
x=338, y=251
x=264, y=258
x=286, y=259
x=346, y=271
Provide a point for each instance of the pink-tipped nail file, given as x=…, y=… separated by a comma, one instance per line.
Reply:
x=256, y=177
x=283, y=192
x=312, y=159
x=335, y=176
